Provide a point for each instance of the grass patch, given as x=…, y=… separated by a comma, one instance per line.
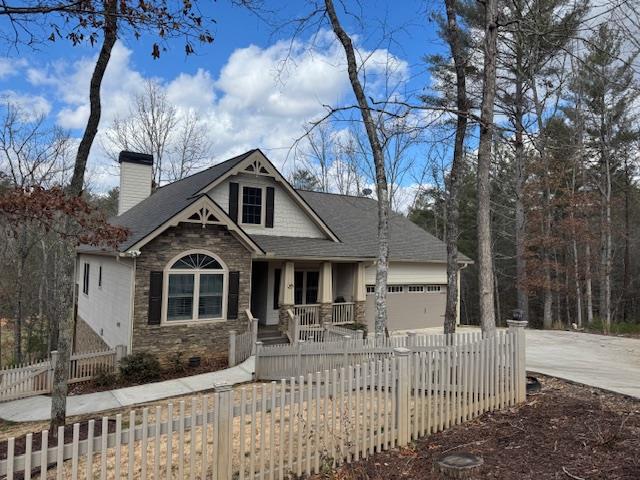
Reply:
x=618, y=328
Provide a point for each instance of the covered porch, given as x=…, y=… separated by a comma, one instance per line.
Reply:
x=315, y=293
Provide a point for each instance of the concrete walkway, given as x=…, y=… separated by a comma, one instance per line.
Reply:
x=38, y=408
x=610, y=363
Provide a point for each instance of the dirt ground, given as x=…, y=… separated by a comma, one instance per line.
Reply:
x=566, y=432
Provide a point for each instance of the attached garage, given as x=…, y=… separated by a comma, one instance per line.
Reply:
x=416, y=295
x=409, y=306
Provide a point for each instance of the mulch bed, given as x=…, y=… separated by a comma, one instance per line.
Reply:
x=566, y=431
x=210, y=364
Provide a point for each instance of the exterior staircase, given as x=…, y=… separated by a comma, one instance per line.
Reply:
x=271, y=335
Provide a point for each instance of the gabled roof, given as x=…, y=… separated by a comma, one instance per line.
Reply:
x=355, y=221
x=350, y=222
x=168, y=201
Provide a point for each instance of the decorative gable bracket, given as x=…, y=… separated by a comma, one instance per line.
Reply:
x=204, y=216
x=205, y=211
x=257, y=167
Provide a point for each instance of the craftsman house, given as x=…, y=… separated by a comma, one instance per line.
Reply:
x=236, y=239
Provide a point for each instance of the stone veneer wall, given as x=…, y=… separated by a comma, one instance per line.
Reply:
x=359, y=312
x=207, y=340
x=86, y=340
x=325, y=312
x=283, y=317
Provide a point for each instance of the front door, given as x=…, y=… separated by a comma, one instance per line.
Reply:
x=306, y=287
x=259, y=282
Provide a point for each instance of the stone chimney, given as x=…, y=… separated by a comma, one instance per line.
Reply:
x=135, y=179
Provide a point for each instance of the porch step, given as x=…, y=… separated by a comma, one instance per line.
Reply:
x=274, y=340
x=271, y=335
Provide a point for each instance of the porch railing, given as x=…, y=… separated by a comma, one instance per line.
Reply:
x=307, y=314
x=342, y=313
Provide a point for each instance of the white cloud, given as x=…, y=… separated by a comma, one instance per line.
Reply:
x=10, y=67
x=257, y=100
x=30, y=106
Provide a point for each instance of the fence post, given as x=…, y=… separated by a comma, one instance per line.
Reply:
x=516, y=328
x=296, y=328
x=411, y=340
x=121, y=352
x=254, y=335
x=224, y=413
x=232, y=348
x=345, y=350
x=402, y=395
x=359, y=334
x=54, y=361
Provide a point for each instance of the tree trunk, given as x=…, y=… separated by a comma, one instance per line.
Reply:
x=66, y=322
x=520, y=218
x=626, y=277
x=453, y=202
x=95, y=109
x=485, y=264
x=588, y=288
x=576, y=273
x=382, y=265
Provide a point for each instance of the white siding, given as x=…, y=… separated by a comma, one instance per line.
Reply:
x=289, y=219
x=135, y=185
x=405, y=273
x=107, y=309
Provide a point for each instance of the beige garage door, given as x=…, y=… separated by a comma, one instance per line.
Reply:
x=410, y=306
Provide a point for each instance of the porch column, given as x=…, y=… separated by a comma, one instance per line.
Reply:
x=286, y=293
x=359, y=294
x=325, y=293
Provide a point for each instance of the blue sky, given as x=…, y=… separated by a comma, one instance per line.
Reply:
x=237, y=84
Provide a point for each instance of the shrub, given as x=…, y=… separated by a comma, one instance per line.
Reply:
x=176, y=363
x=140, y=367
x=105, y=378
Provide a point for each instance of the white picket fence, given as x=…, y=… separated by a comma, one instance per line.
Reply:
x=37, y=378
x=243, y=345
x=339, y=347
x=297, y=426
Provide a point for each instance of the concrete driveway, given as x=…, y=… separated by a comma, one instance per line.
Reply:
x=611, y=363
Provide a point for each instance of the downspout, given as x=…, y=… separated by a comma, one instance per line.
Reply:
x=134, y=254
x=75, y=303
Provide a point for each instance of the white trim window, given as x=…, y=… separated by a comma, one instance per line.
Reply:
x=434, y=288
x=252, y=203
x=395, y=288
x=195, y=288
x=85, y=278
x=416, y=288
x=371, y=289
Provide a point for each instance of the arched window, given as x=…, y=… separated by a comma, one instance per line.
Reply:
x=196, y=285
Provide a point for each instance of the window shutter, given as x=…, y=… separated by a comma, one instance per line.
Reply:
x=155, y=298
x=268, y=221
x=232, y=297
x=233, y=201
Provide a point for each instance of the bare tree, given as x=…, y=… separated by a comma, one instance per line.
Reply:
x=485, y=259
x=455, y=39
x=382, y=191
x=178, y=142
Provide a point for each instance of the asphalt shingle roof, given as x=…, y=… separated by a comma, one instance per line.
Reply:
x=168, y=201
x=352, y=219
x=355, y=221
